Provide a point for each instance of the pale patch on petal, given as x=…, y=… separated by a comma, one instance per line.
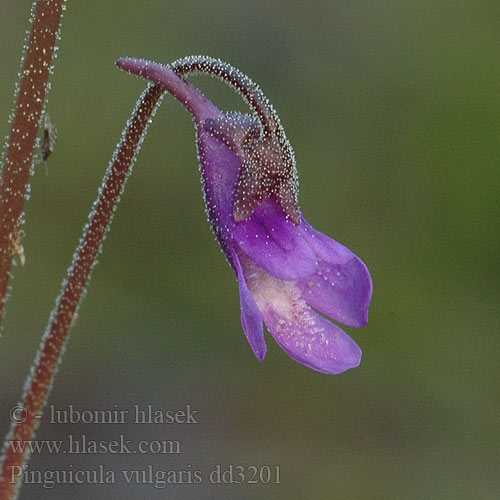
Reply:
x=302, y=333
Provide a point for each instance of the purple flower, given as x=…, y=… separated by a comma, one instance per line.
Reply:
x=289, y=273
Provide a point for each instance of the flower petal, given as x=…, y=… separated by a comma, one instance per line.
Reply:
x=302, y=333
x=314, y=341
x=273, y=241
x=218, y=142
x=251, y=319
x=219, y=170
x=342, y=286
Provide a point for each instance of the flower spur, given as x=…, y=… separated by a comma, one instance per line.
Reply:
x=289, y=274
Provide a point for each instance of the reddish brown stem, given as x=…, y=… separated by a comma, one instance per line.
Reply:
x=24, y=127
x=38, y=385
x=250, y=91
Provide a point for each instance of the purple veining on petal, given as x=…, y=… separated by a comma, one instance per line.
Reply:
x=342, y=286
x=339, y=291
x=324, y=247
x=272, y=240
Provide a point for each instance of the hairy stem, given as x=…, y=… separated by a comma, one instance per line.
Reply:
x=250, y=91
x=39, y=383
x=37, y=62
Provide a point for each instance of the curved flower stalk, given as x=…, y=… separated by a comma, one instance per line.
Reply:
x=39, y=382
x=288, y=272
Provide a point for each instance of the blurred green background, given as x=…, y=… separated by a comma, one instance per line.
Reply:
x=393, y=109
